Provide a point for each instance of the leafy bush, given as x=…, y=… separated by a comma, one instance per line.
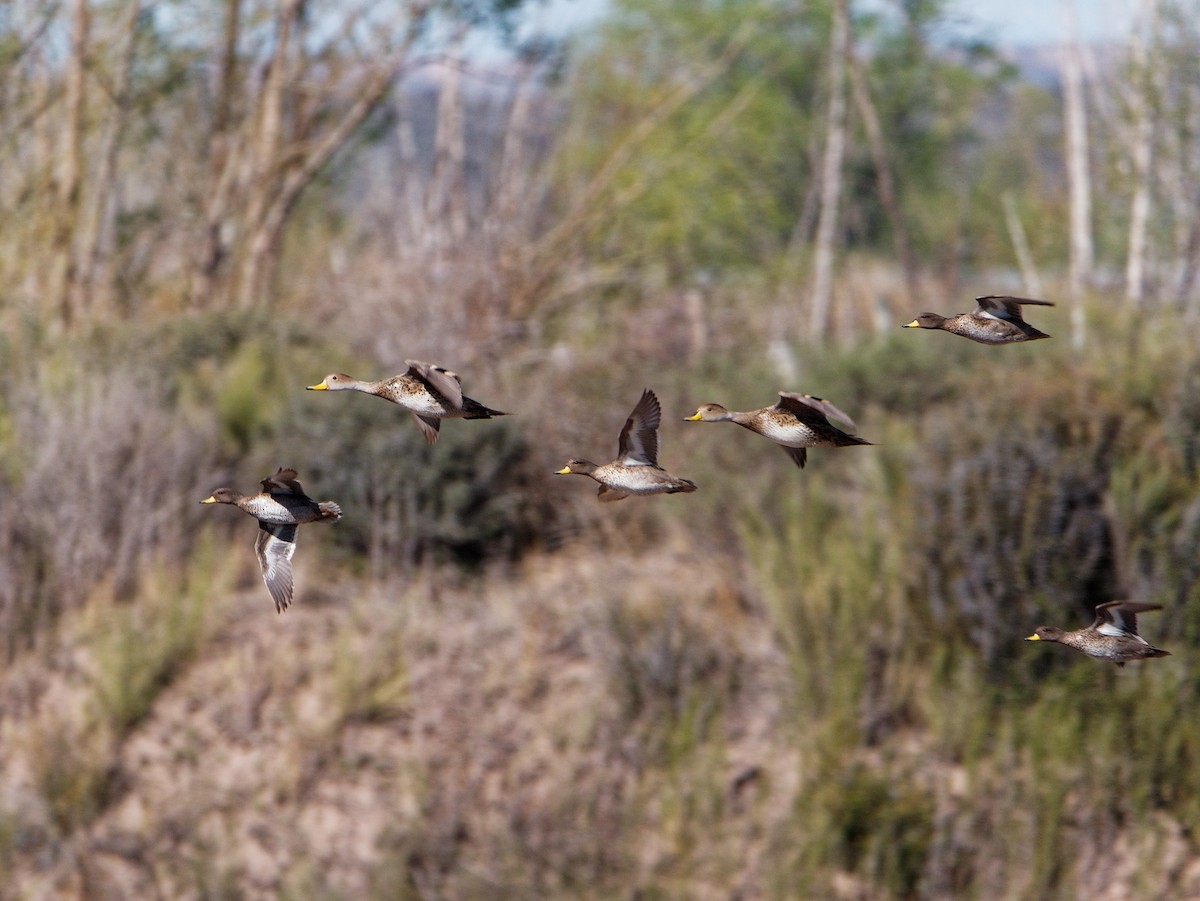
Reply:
x=475, y=495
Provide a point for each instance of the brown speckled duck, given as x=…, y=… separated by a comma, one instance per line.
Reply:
x=997, y=321
x=279, y=508
x=1113, y=635
x=431, y=393
x=796, y=422
x=636, y=469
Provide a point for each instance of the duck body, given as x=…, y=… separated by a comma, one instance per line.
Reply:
x=282, y=509
x=279, y=508
x=429, y=392
x=795, y=422
x=619, y=480
x=636, y=470
x=1112, y=636
x=997, y=321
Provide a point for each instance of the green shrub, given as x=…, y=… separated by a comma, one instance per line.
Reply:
x=474, y=496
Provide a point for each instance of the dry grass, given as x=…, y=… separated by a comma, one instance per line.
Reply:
x=509, y=740
x=587, y=725
x=786, y=679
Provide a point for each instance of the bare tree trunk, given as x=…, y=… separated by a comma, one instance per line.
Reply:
x=221, y=166
x=447, y=190
x=1016, y=232
x=514, y=173
x=1078, y=177
x=418, y=237
x=883, y=170
x=1142, y=156
x=505, y=218
x=70, y=181
x=266, y=154
x=802, y=230
x=831, y=174
x=1185, y=197
x=98, y=227
x=265, y=243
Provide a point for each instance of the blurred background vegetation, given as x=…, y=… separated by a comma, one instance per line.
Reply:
x=787, y=685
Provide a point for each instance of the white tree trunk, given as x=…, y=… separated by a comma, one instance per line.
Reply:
x=883, y=169
x=831, y=174
x=1142, y=154
x=1078, y=176
x=98, y=235
x=1016, y=232
x=447, y=203
x=71, y=166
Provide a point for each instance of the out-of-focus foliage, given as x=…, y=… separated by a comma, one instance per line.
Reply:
x=788, y=677
x=472, y=497
x=727, y=180
x=490, y=684
x=155, y=154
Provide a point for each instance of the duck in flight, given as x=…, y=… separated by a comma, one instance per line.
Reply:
x=1113, y=635
x=636, y=469
x=997, y=321
x=795, y=422
x=431, y=393
x=279, y=508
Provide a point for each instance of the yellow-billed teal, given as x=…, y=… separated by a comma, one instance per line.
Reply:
x=431, y=393
x=279, y=508
x=796, y=422
x=1113, y=635
x=997, y=321
x=636, y=469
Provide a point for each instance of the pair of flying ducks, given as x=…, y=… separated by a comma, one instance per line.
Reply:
x=431, y=393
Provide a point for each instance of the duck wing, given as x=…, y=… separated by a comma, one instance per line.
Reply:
x=430, y=426
x=284, y=481
x=1120, y=617
x=441, y=381
x=609, y=495
x=798, y=455
x=275, y=547
x=638, y=445
x=1002, y=306
x=807, y=408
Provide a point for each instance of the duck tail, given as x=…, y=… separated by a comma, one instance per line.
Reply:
x=473, y=409
x=1157, y=652
x=330, y=512
x=684, y=486
x=853, y=440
